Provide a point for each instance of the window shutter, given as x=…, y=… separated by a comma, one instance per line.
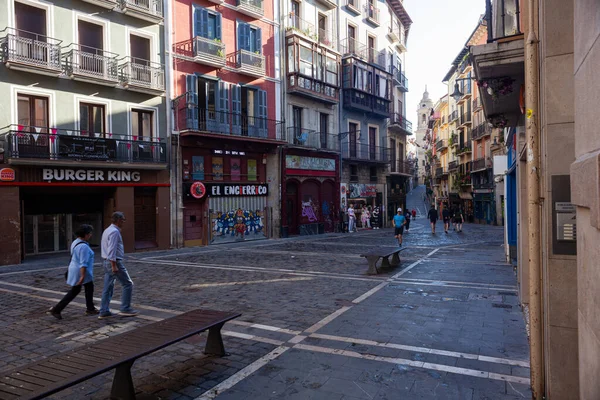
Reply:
x=258, y=43
x=243, y=39
x=236, y=109
x=218, y=29
x=262, y=113
x=197, y=21
x=191, y=86
x=204, y=22
x=223, y=107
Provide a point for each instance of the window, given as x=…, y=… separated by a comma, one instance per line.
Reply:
x=306, y=61
x=249, y=38
x=381, y=86
x=142, y=124
x=324, y=129
x=207, y=23
x=295, y=17
x=91, y=37
x=362, y=78
x=31, y=21
x=33, y=112
x=331, y=67
x=373, y=174
x=353, y=129
x=393, y=154
x=91, y=119
x=353, y=173
x=297, y=125
x=351, y=38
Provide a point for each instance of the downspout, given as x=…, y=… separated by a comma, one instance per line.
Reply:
x=534, y=201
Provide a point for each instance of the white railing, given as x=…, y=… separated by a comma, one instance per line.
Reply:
x=153, y=7
x=142, y=73
x=91, y=62
x=30, y=49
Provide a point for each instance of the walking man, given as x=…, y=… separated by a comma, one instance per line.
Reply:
x=446, y=218
x=433, y=217
x=407, y=218
x=399, y=222
x=414, y=214
x=113, y=254
x=459, y=219
x=351, y=219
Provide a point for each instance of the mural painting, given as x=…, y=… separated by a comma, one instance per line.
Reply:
x=234, y=225
x=251, y=170
x=217, y=168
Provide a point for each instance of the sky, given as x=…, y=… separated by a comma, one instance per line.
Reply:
x=439, y=31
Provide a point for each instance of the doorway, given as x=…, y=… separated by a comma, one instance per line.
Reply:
x=372, y=143
x=291, y=207
x=145, y=218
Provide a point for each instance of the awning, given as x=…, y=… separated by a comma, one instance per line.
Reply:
x=466, y=196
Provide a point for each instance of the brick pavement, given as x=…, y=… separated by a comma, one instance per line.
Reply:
x=446, y=325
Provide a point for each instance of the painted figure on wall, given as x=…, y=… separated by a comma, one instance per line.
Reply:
x=237, y=224
x=240, y=223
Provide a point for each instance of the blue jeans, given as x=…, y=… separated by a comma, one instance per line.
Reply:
x=109, y=285
x=351, y=224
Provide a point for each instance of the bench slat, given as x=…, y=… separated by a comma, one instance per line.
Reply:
x=20, y=384
x=43, y=375
x=51, y=371
x=61, y=367
x=15, y=391
x=36, y=380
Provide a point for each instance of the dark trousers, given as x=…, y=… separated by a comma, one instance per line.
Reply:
x=73, y=292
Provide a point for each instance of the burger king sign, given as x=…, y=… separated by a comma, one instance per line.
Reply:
x=7, y=174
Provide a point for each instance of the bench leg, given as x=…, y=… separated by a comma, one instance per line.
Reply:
x=122, y=387
x=385, y=263
x=395, y=260
x=372, y=265
x=214, y=343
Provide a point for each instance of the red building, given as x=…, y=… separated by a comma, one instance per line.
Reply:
x=225, y=111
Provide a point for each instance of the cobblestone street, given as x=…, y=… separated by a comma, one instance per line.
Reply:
x=445, y=324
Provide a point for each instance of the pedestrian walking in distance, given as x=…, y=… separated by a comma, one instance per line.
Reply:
x=446, y=218
x=459, y=220
x=113, y=254
x=433, y=217
x=414, y=214
x=80, y=273
x=407, y=219
x=399, y=221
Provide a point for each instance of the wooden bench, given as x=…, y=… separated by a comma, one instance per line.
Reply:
x=53, y=374
x=384, y=253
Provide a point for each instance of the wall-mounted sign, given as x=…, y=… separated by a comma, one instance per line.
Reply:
x=89, y=175
x=309, y=163
x=198, y=190
x=224, y=189
x=89, y=148
x=7, y=174
x=357, y=190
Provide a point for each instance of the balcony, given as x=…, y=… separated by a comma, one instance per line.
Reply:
x=441, y=172
x=148, y=10
x=371, y=13
x=363, y=152
x=399, y=124
x=30, y=52
x=352, y=47
x=202, y=51
x=329, y=4
x=312, y=88
x=482, y=130
x=480, y=164
x=400, y=79
x=248, y=63
x=466, y=90
x=357, y=100
x=28, y=145
x=87, y=64
x=142, y=76
x=477, y=104
x=465, y=168
x=378, y=58
x=110, y=4
x=479, y=184
x=402, y=168
x=453, y=140
x=452, y=166
x=251, y=8
x=465, y=119
x=441, y=145
x=298, y=136
x=465, y=149
x=298, y=26
x=453, y=116
x=394, y=32
x=193, y=119
x=327, y=38
x=500, y=64
x=353, y=6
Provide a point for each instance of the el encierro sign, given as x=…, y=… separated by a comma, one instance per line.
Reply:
x=89, y=175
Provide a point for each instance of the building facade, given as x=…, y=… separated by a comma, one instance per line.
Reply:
x=226, y=106
x=84, y=124
x=373, y=41
x=417, y=143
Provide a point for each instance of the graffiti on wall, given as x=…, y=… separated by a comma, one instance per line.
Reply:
x=237, y=224
x=308, y=211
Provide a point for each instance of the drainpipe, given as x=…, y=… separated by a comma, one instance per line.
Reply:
x=534, y=201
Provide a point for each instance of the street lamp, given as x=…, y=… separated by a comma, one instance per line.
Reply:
x=457, y=93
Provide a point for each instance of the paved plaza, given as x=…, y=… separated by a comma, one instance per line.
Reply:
x=446, y=324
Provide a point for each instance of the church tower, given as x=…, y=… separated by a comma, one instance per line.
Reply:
x=423, y=111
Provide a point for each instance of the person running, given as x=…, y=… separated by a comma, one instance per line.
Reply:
x=459, y=219
x=446, y=218
x=407, y=217
x=414, y=214
x=80, y=273
x=399, y=221
x=433, y=217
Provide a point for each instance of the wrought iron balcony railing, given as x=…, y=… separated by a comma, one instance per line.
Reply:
x=465, y=118
x=29, y=50
x=249, y=63
x=299, y=136
x=372, y=13
x=441, y=144
x=452, y=165
x=252, y=8
x=353, y=6
x=481, y=131
x=453, y=116
x=202, y=50
x=365, y=152
x=138, y=74
x=399, y=79
x=377, y=57
x=190, y=117
x=402, y=167
x=146, y=9
x=503, y=19
x=350, y=46
x=398, y=121
x=87, y=62
x=479, y=164
x=297, y=25
x=45, y=143
x=327, y=38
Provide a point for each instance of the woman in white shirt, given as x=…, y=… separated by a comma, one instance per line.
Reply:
x=80, y=273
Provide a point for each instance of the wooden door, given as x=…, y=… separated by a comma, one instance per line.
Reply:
x=291, y=207
x=145, y=217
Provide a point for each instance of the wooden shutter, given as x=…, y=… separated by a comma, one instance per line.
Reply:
x=258, y=42
x=191, y=86
x=223, y=107
x=218, y=27
x=236, y=109
x=262, y=113
x=243, y=39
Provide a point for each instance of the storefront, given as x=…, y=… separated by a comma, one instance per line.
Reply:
x=484, y=207
x=44, y=207
x=310, y=192
x=224, y=195
x=360, y=196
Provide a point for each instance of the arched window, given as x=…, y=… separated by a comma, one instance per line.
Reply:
x=424, y=118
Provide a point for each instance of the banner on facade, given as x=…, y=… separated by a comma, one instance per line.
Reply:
x=309, y=163
x=357, y=190
x=343, y=196
x=89, y=148
x=198, y=168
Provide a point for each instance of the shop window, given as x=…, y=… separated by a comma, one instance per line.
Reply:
x=353, y=173
x=373, y=174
